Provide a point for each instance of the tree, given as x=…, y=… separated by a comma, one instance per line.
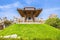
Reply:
x=7, y=23
x=55, y=22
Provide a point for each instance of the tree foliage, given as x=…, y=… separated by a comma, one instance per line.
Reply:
x=7, y=23
x=55, y=22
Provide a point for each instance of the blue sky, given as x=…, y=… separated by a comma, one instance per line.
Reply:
x=8, y=8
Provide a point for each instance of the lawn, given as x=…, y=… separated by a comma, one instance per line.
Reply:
x=32, y=31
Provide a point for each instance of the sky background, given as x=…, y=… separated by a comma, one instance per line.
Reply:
x=8, y=8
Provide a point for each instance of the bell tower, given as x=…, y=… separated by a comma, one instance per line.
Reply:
x=29, y=13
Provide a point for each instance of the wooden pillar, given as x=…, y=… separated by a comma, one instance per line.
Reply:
x=25, y=18
x=33, y=19
x=32, y=16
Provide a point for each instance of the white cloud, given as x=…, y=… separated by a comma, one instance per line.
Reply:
x=46, y=12
x=29, y=1
x=17, y=4
x=10, y=10
x=51, y=9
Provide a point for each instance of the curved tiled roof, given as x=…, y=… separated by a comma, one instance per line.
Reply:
x=36, y=12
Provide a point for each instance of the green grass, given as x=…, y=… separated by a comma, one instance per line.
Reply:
x=42, y=31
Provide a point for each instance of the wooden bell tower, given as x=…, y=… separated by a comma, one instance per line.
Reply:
x=29, y=13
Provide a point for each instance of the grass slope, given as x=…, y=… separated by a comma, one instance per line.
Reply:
x=31, y=31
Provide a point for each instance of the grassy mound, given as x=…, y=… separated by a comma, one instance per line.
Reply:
x=31, y=31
